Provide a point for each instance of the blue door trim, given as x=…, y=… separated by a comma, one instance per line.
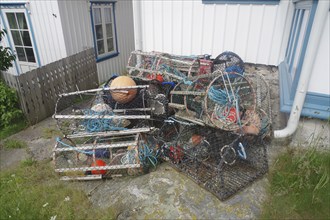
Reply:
x=316, y=104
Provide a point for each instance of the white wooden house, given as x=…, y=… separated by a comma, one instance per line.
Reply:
x=270, y=32
x=43, y=31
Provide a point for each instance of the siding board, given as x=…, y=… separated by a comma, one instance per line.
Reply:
x=190, y=27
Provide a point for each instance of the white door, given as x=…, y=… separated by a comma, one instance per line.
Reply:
x=19, y=34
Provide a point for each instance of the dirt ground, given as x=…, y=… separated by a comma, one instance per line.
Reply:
x=165, y=193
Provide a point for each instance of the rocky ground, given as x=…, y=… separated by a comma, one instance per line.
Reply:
x=166, y=193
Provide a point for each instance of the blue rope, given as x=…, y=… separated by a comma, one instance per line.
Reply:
x=146, y=156
x=100, y=124
x=220, y=96
x=68, y=145
x=235, y=69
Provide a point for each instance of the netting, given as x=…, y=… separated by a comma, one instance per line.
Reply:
x=209, y=125
x=219, y=161
x=167, y=67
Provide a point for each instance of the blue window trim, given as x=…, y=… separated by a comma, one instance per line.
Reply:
x=256, y=2
x=116, y=53
x=15, y=5
x=316, y=105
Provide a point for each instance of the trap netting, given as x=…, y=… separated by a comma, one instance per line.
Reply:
x=221, y=162
x=263, y=105
x=103, y=113
x=226, y=101
x=228, y=62
x=97, y=156
x=167, y=67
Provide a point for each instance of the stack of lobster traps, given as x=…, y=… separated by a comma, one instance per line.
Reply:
x=206, y=117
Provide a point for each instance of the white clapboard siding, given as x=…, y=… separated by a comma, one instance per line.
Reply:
x=255, y=32
x=76, y=20
x=46, y=22
x=320, y=79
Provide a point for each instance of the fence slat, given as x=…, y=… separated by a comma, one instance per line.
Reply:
x=39, y=89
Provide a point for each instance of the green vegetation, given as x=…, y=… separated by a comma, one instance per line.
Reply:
x=12, y=129
x=9, y=107
x=299, y=186
x=33, y=191
x=6, y=55
x=49, y=133
x=14, y=144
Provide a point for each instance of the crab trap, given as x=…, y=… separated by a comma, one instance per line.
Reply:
x=89, y=158
x=167, y=67
x=222, y=162
x=227, y=102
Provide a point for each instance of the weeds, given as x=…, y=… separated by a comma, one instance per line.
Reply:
x=300, y=186
x=12, y=129
x=14, y=144
x=49, y=133
x=33, y=191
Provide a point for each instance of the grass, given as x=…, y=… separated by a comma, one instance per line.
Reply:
x=14, y=144
x=49, y=133
x=12, y=129
x=299, y=186
x=33, y=191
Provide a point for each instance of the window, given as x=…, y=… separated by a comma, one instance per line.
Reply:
x=21, y=36
x=104, y=30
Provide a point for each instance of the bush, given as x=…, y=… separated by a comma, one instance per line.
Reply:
x=9, y=107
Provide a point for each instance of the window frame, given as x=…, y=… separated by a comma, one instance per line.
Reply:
x=103, y=5
x=19, y=7
x=244, y=2
x=19, y=30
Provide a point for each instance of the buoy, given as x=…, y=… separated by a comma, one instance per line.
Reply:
x=196, y=139
x=123, y=95
x=98, y=163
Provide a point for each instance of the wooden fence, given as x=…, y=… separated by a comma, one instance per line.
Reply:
x=39, y=89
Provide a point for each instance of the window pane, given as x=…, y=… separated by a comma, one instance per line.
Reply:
x=110, y=44
x=99, y=32
x=30, y=55
x=97, y=16
x=107, y=15
x=21, y=21
x=20, y=53
x=100, y=46
x=26, y=38
x=12, y=21
x=109, y=30
x=16, y=38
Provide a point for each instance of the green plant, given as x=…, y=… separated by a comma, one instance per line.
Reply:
x=9, y=107
x=49, y=133
x=299, y=186
x=14, y=144
x=6, y=55
x=12, y=128
x=33, y=191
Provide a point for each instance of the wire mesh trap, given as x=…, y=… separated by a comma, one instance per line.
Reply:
x=221, y=162
x=96, y=157
x=167, y=67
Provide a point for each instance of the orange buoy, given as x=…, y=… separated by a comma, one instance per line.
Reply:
x=125, y=95
x=196, y=139
x=98, y=163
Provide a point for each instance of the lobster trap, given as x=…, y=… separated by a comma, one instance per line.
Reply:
x=102, y=114
x=222, y=162
x=167, y=67
x=226, y=102
x=96, y=157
